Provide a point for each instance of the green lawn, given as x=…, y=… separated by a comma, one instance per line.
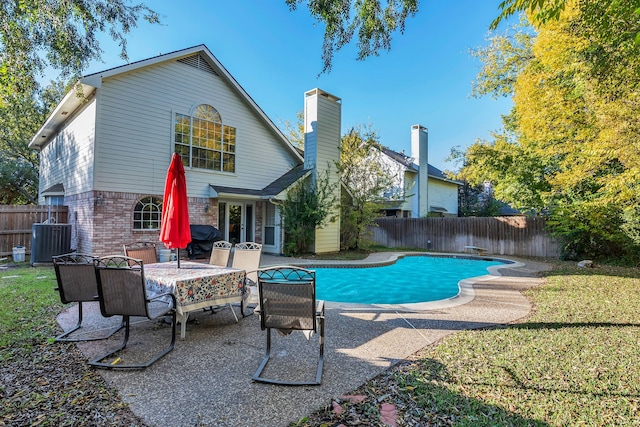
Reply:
x=573, y=362
x=28, y=305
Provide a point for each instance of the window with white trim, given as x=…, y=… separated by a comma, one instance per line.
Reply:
x=54, y=200
x=147, y=213
x=203, y=142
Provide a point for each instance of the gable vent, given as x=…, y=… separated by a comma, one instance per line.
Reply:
x=197, y=61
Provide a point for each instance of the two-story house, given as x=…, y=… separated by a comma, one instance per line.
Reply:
x=105, y=150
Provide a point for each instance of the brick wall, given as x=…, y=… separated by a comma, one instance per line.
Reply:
x=81, y=207
x=103, y=230
x=259, y=219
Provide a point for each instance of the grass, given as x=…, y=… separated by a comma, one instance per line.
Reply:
x=29, y=305
x=571, y=362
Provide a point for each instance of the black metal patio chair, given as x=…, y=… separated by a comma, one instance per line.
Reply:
x=122, y=292
x=76, y=282
x=288, y=303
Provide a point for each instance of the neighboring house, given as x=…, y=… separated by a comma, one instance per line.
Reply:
x=421, y=189
x=504, y=208
x=105, y=154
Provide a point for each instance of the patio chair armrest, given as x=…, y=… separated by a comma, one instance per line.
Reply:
x=164, y=294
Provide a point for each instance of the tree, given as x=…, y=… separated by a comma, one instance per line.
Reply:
x=369, y=182
x=502, y=60
x=20, y=118
x=477, y=200
x=373, y=23
x=542, y=12
x=539, y=11
x=307, y=207
x=62, y=34
x=517, y=176
x=36, y=35
x=295, y=133
x=571, y=140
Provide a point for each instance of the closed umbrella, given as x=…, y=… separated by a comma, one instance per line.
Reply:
x=175, y=232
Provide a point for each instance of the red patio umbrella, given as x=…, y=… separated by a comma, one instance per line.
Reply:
x=175, y=232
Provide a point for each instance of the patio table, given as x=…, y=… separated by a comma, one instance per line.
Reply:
x=195, y=285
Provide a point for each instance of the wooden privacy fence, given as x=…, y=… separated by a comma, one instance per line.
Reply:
x=517, y=236
x=16, y=224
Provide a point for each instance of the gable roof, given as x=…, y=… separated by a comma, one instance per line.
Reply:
x=408, y=162
x=88, y=84
x=77, y=96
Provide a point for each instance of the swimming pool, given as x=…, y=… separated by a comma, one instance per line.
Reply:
x=411, y=279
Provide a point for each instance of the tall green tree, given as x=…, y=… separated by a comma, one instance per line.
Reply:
x=542, y=12
x=61, y=34
x=539, y=11
x=373, y=22
x=39, y=35
x=20, y=118
x=477, y=200
x=571, y=140
x=504, y=57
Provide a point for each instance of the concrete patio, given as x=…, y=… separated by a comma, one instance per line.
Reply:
x=206, y=379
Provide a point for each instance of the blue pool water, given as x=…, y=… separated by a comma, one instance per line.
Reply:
x=411, y=279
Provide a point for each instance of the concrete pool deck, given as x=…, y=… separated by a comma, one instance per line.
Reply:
x=206, y=379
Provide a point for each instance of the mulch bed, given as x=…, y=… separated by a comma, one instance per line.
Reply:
x=365, y=406
x=45, y=384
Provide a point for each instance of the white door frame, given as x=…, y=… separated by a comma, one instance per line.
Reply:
x=238, y=233
x=271, y=218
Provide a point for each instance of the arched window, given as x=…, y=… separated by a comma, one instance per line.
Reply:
x=147, y=214
x=203, y=141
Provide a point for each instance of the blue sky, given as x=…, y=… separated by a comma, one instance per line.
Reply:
x=275, y=55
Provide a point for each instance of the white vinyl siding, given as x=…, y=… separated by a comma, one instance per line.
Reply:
x=68, y=157
x=395, y=171
x=410, y=188
x=135, y=136
x=443, y=194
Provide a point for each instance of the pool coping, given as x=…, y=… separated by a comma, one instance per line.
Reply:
x=465, y=295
